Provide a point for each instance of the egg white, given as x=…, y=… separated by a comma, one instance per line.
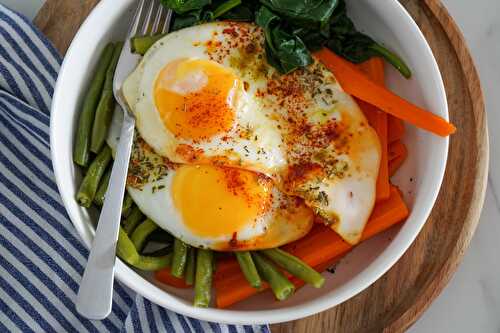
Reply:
x=276, y=227
x=349, y=198
x=261, y=151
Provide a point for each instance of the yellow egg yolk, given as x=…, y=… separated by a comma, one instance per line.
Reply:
x=217, y=201
x=196, y=99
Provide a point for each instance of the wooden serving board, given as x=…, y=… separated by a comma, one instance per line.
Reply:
x=399, y=297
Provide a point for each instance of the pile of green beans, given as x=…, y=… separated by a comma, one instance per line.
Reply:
x=196, y=266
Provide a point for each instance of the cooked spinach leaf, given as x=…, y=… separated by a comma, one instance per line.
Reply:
x=303, y=12
x=355, y=46
x=244, y=12
x=203, y=15
x=186, y=20
x=284, y=50
x=184, y=6
x=292, y=28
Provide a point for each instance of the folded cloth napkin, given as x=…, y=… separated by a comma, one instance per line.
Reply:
x=41, y=256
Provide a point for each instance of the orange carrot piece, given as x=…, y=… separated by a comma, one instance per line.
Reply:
x=396, y=149
x=354, y=82
x=321, y=245
x=374, y=69
x=395, y=129
x=395, y=164
x=398, y=154
x=164, y=276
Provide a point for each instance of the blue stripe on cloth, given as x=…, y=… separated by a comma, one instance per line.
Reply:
x=195, y=324
x=27, y=61
x=27, y=127
x=47, y=260
x=41, y=256
x=19, y=23
x=167, y=324
x=3, y=328
x=215, y=328
x=18, y=70
x=23, y=108
x=182, y=321
x=150, y=316
x=20, y=323
x=23, y=303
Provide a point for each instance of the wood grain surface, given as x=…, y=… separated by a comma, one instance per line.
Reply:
x=400, y=296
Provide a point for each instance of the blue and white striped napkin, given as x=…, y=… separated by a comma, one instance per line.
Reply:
x=41, y=256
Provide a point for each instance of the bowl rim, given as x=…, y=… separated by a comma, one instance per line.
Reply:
x=133, y=280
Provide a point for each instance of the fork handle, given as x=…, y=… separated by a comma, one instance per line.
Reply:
x=96, y=289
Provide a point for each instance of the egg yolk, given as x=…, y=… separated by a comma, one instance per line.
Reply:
x=217, y=201
x=196, y=98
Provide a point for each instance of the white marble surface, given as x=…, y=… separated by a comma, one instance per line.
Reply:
x=471, y=302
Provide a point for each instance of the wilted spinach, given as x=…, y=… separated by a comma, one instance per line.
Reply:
x=293, y=28
x=193, y=12
x=308, y=13
x=184, y=6
x=348, y=42
x=285, y=51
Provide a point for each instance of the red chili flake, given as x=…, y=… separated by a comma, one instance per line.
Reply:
x=234, y=242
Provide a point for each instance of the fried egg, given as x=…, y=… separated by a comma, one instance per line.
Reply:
x=207, y=206
x=192, y=109
x=206, y=95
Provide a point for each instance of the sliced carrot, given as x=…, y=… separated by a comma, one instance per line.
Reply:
x=321, y=245
x=396, y=149
x=395, y=129
x=354, y=82
x=164, y=276
x=395, y=164
x=374, y=69
x=398, y=154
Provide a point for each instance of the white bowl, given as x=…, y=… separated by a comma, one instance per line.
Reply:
x=419, y=179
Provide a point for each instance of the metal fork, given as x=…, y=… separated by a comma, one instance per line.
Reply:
x=96, y=289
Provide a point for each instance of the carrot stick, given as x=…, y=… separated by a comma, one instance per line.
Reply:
x=164, y=276
x=321, y=245
x=395, y=129
x=395, y=164
x=398, y=154
x=374, y=69
x=396, y=149
x=354, y=82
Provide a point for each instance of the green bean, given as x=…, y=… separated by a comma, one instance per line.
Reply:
x=126, y=250
x=248, y=268
x=140, y=234
x=103, y=187
x=90, y=182
x=281, y=286
x=106, y=106
x=179, y=259
x=295, y=266
x=190, y=266
x=203, y=278
x=100, y=195
x=82, y=139
x=141, y=44
x=147, y=263
x=131, y=222
x=128, y=202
